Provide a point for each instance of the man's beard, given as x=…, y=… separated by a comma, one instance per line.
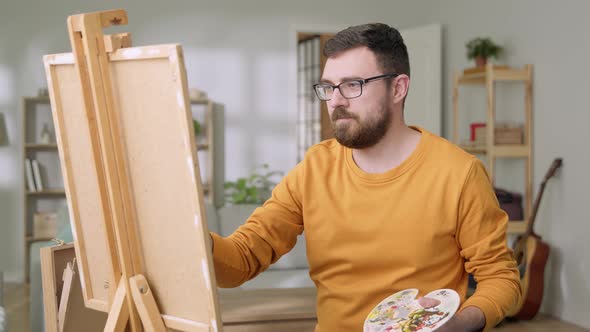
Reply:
x=360, y=135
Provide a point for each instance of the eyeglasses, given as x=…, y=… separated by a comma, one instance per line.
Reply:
x=348, y=89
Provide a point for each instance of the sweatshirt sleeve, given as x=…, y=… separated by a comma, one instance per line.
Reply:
x=269, y=233
x=482, y=238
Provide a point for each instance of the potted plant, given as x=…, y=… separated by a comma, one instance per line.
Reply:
x=244, y=195
x=481, y=49
x=254, y=189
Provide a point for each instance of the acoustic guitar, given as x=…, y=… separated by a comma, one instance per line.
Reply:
x=531, y=254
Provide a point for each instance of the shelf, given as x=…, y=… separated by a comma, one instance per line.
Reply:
x=508, y=151
x=36, y=146
x=519, y=75
x=499, y=73
x=208, y=113
x=473, y=149
x=52, y=192
x=200, y=101
x=513, y=151
x=516, y=227
x=487, y=77
x=37, y=112
x=479, y=78
x=31, y=239
x=38, y=99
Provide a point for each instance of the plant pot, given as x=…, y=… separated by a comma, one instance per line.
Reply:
x=481, y=61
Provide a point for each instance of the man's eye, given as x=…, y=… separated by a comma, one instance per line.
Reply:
x=353, y=85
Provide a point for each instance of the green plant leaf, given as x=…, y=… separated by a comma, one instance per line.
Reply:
x=197, y=127
x=482, y=47
x=239, y=197
x=241, y=184
x=256, y=188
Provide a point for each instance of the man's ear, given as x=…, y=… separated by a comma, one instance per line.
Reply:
x=401, y=86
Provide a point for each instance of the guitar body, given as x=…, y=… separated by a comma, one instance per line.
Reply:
x=533, y=277
x=531, y=254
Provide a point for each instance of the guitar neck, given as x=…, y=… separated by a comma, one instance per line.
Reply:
x=533, y=216
x=557, y=162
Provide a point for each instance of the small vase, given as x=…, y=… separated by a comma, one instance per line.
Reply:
x=45, y=134
x=480, y=61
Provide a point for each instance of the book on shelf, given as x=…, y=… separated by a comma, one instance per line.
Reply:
x=44, y=225
x=29, y=176
x=37, y=175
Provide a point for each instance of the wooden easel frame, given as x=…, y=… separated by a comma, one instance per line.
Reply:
x=132, y=302
x=85, y=32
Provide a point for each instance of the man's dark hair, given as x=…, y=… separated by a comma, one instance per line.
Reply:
x=386, y=43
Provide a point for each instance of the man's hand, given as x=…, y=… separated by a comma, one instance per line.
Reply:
x=469, y=319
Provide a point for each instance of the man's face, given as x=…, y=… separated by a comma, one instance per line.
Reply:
x=363, y=121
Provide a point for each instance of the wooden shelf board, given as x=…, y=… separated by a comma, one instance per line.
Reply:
x=202, y=146
x=478, y=79
x=200, y=101
x=474, y=149
x=38, y=99
x=510, y=75
x=51, y=192
x=516, y=227
x=514, y=151
x=30, y=239
x=479, y=70
x=499, y=73
x=38, y=146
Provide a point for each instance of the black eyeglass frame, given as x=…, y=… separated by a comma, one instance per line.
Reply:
x=360, y=81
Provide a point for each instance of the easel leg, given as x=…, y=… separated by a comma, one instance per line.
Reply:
x=146, y=304
x=119, y=314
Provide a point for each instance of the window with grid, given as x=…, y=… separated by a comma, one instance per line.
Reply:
x=313, y=123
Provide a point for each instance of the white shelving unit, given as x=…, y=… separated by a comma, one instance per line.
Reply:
x=210, y=147
x=36, y=113
x=488, y=78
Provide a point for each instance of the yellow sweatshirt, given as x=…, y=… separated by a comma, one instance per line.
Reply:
x=425, y=224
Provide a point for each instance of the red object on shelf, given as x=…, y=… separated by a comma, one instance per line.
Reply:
x=473, y=127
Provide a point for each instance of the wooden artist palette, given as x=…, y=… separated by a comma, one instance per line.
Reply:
x=402, y=312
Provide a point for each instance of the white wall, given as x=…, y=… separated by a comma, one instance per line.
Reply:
x=553, y=37
x=240, y=52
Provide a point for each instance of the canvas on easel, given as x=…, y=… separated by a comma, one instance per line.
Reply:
x=131, y=175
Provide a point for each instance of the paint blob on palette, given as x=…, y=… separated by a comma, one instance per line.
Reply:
x=403, y=312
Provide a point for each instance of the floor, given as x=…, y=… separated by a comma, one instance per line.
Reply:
x=16, y=304
x=17, y=307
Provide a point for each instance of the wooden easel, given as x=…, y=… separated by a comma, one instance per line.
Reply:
x=99, y=116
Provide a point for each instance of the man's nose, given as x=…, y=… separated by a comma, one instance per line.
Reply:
x=337, y=99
